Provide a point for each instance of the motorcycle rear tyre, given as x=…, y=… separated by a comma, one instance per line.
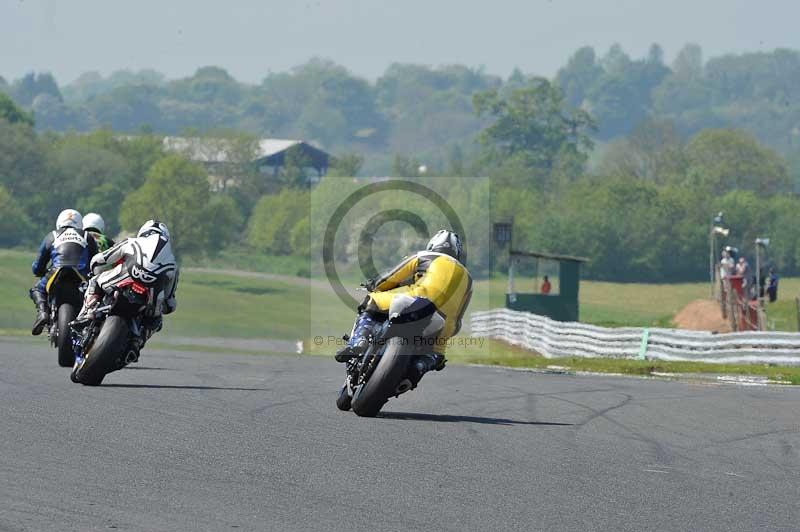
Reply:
x=66, y=313
x=108, y=346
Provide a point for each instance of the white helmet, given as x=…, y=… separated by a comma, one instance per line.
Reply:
x=94, y=221
x=69, y=218
x=446, y=242
x=151, y=227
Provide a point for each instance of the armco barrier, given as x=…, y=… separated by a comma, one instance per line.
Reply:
x=558, y=339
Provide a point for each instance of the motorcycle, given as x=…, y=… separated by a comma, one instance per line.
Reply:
x=111, y=339
x=382, y=371
x=64, y=295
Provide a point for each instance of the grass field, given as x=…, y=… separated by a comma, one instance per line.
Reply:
x=216, y=304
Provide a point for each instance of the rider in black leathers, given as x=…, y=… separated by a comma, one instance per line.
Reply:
x=68, y=245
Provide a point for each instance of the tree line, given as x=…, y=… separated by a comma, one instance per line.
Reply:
x=639, y=206
x=427, y=112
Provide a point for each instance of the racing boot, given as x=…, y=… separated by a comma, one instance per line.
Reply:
x=358, y=342
x=422, y=365
x=90, y=302
x=353, y=350
x=42, y=312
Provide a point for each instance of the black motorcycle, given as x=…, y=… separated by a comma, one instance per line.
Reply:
x=112, y=338
x=382, y=371
x=65, y=296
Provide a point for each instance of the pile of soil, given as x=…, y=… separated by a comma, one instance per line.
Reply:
x=702, y=315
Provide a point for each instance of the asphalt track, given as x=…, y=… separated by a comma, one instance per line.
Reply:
x=207, y=441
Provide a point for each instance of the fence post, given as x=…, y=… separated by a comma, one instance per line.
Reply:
x=643, y=345
x=797, y=304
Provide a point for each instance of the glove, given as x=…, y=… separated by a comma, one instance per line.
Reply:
x=363, y=305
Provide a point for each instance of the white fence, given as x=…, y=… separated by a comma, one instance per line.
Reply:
x=556, y=339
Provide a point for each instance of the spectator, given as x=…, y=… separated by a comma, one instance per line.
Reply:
x=772, y=286
x=743, y=270
x=726, y=265
x=546, y=286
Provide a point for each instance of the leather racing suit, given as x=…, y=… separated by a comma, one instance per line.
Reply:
x=151, y=253
x=438, y=277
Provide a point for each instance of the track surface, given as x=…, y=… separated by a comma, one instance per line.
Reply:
x=193, y=441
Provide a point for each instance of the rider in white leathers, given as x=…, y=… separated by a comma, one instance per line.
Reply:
x=152, y=252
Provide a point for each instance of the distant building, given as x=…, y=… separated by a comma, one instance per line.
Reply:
x=269, y=156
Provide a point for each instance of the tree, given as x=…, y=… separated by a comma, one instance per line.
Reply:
x=579, y=75
x=688, y=64
x=404, y=166
x=26, y=174
x=25, y=90
x=295, y=168
x=621, y=97
x=176, y=192
x=721, y=160
x=224, y=221
x=11, y=113
x=271, y=228
x=15, y=226
x=653, y=152
x=347, y=165
x=532, y=123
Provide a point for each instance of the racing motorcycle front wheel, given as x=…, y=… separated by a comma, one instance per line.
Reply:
x=370, y=397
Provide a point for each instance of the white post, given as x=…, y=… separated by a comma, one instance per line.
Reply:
x=758, y=273
x=511, y=260
x=711, y=258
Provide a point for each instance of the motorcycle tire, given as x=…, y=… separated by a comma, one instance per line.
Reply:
x=382, y=384
x=344, y=401
x=66, y=313
x=105, y=350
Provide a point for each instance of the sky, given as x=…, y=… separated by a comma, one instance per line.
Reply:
x=251, y=38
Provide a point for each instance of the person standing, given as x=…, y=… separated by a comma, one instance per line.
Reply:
x=772, y=286
x=726, y=265
x=546, y=286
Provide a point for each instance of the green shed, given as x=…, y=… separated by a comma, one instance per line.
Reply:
x=560, y=304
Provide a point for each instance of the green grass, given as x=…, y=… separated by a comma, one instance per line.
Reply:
x=224, y=305
x=612, y=304
x=242, y=259
x=208, y=304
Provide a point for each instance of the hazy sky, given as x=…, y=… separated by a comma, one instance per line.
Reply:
x=251, y=37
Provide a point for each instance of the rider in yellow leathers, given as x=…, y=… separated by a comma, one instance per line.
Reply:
x=435, y=274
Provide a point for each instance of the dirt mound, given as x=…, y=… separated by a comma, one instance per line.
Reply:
x=701, y=315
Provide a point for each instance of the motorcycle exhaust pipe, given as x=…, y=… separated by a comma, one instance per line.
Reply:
x=403, y=387
x=131, y=356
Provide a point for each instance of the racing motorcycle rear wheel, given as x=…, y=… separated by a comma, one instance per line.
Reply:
x=66, y=313
x=105, y=350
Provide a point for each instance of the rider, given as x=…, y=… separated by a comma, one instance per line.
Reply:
x=95, y=224
x=151, y=249
x=435, y=274
x=68, y=245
